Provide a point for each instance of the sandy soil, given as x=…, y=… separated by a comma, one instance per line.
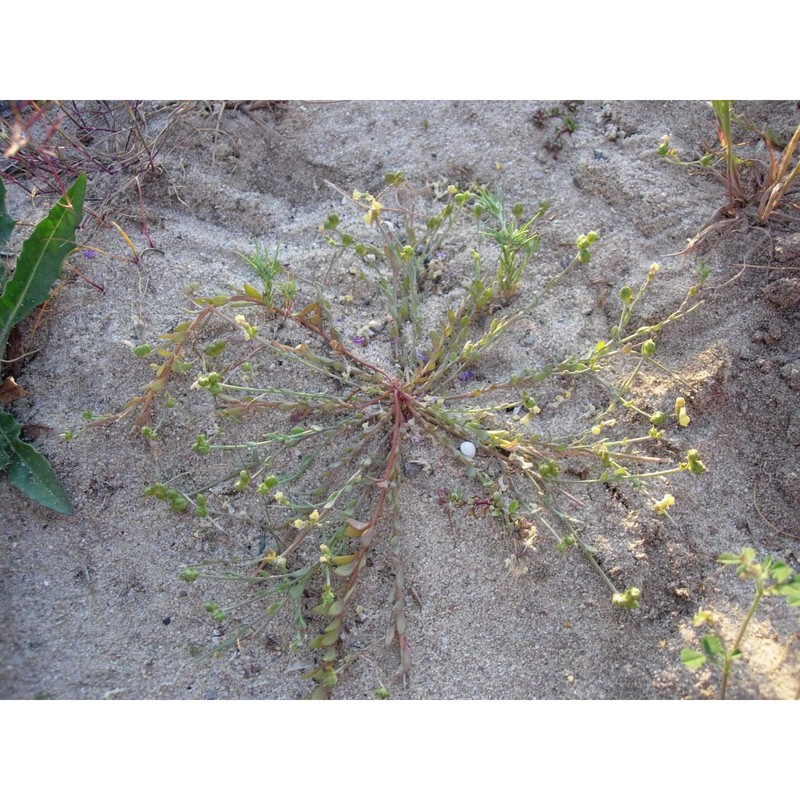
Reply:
x=92, y=607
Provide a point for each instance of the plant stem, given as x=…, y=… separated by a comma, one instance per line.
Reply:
x=726, y=667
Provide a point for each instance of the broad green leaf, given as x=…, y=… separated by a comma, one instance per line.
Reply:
x=791, y=591
x=781, y=572
x=692, y=659
x=6, y=223
x=251, y=291
x=337, y=607
x=748, y=555
x=325, y=640
x=712, y=646
x=355, y=528
x=332, y=610
x=40, y=259
x=29, y=470
x=346, y=570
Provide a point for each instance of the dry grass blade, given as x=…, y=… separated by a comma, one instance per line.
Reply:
x=778, y=182
x=47, y=145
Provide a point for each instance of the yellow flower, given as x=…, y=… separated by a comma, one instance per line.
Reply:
x=703, y=617
x=680, y=411
x=667, y=501
x=375, y=209
x=248, y=330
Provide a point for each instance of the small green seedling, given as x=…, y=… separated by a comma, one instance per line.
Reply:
x=37, y=269
x=770, y=578
x=565, y=123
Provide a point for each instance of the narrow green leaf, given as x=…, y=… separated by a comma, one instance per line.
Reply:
x=296, y=591
x=692, y=659
x=728, y=558
x=40, y=259
x=29, y=470
x=6, y=223
x=6, y=226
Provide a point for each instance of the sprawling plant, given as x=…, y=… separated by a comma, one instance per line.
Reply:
x=324, y=478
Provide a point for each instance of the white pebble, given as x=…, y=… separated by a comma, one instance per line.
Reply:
x=467, y=450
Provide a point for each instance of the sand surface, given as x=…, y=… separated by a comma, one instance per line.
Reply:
x=92, y=606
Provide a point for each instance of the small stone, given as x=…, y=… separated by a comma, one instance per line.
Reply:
x=787, y=248
x=411, y=469
x=793, y=428
x=764, y=364
x=784, y=293
x=791, y=374
x=468, y=450
x=790, y=485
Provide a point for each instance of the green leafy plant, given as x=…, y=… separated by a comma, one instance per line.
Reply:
x=565, y=123
x=768, y=185
x=37, y=269
x=322, y=482
x=770, y=578
x=722, y=110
